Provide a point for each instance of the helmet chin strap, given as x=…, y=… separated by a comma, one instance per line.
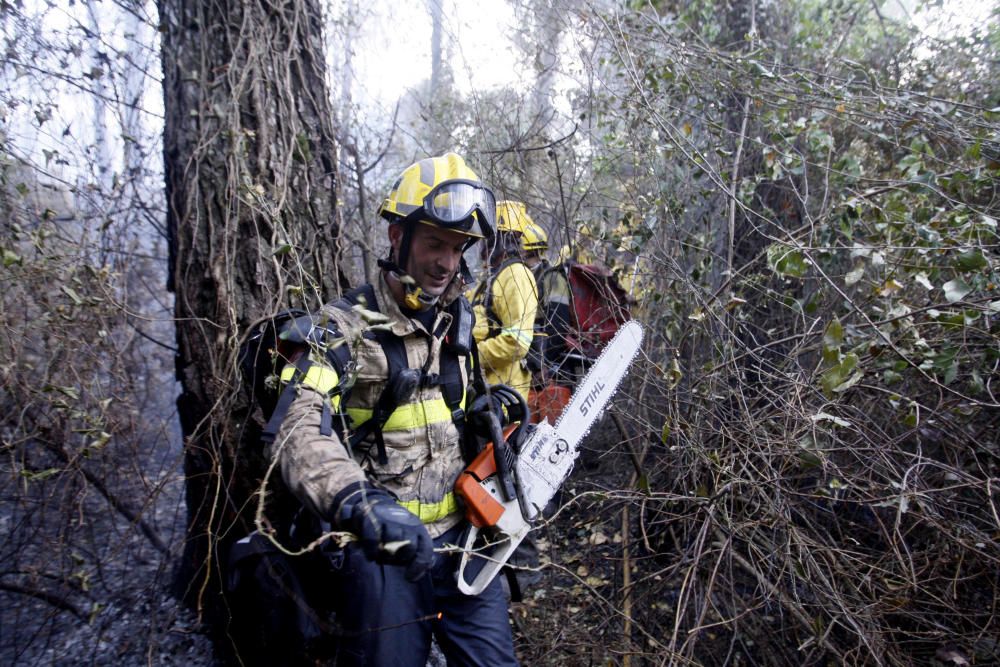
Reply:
x=414, y=296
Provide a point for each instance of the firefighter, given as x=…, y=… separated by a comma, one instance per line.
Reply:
x=405, y=389
x=506, y=303
x=553, y=317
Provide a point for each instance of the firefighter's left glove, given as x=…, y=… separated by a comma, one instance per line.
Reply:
x=388, y=532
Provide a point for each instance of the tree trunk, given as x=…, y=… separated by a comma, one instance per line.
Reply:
x=249, y=165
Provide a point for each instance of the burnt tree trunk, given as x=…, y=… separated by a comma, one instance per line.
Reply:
x=249, y=157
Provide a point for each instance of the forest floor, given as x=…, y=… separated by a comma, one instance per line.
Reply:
x=567, y=616
x=573, y=614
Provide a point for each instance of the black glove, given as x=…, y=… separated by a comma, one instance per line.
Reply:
x=388, y=532
x=508, y=405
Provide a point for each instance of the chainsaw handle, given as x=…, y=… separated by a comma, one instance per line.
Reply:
x=496, y=556
x=504, y=457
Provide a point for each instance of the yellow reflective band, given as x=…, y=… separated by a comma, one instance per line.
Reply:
x=431, y=512
x=321, y=378
x=409, y=417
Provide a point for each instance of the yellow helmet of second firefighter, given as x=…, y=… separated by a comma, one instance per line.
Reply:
x=512, y=216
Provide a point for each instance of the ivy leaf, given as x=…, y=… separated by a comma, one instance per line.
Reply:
x=787, y=261
x=955, y=290
x=971, y=260
x=951, y=373
x=856, y=274
x=841, y=377
x=833, y=338
x=922, y=279
x=68, y=291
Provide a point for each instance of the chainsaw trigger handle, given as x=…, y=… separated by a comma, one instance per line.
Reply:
x=494, y=554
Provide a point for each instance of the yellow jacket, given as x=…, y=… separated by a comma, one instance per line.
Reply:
x=505, y=307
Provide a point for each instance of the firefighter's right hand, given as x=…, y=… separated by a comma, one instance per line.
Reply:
x=504, y=401
x=388, y=532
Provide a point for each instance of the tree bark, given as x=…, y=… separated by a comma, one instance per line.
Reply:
x=249, y=160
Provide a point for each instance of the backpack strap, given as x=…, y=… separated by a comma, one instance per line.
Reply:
x=288, y=394
x=386, y=403
x=449, y=378
x=302, y=332
x=452, y=386
x=395, y=353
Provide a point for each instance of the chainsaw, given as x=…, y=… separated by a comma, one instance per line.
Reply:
x=505, y=493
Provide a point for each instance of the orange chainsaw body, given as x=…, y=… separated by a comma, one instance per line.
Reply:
x=482, y=509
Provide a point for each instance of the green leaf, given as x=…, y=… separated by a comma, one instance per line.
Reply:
x=833, y=338
x=643, y=484
x=73, y=295
x=10, y=258
x=922, y=279
x=40, y=475
x=955, y=290
x=787, y=261
x=841, y=377
x=951, y=373
x=283, y=248
x=971, y=260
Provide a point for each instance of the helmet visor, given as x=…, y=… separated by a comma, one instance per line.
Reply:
x=453, y=203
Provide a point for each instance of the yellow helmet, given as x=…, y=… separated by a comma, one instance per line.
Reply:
x=442, y=191
x=512, y=217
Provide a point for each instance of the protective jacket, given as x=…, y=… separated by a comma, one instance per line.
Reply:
x=505, y=306
x=422, y=452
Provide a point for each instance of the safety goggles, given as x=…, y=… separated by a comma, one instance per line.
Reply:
x=452, y=204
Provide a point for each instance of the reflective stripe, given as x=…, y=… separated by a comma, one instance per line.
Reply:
x=409, y=417
x=427, y=172
x=432, y=512
x=562, y=299
x=521, y=335
x=321, y=378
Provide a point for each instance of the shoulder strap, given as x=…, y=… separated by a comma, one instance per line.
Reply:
x=394, y=349
x=355, y=296
x=273, y=425
x=303, y=331
x=395, y=353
